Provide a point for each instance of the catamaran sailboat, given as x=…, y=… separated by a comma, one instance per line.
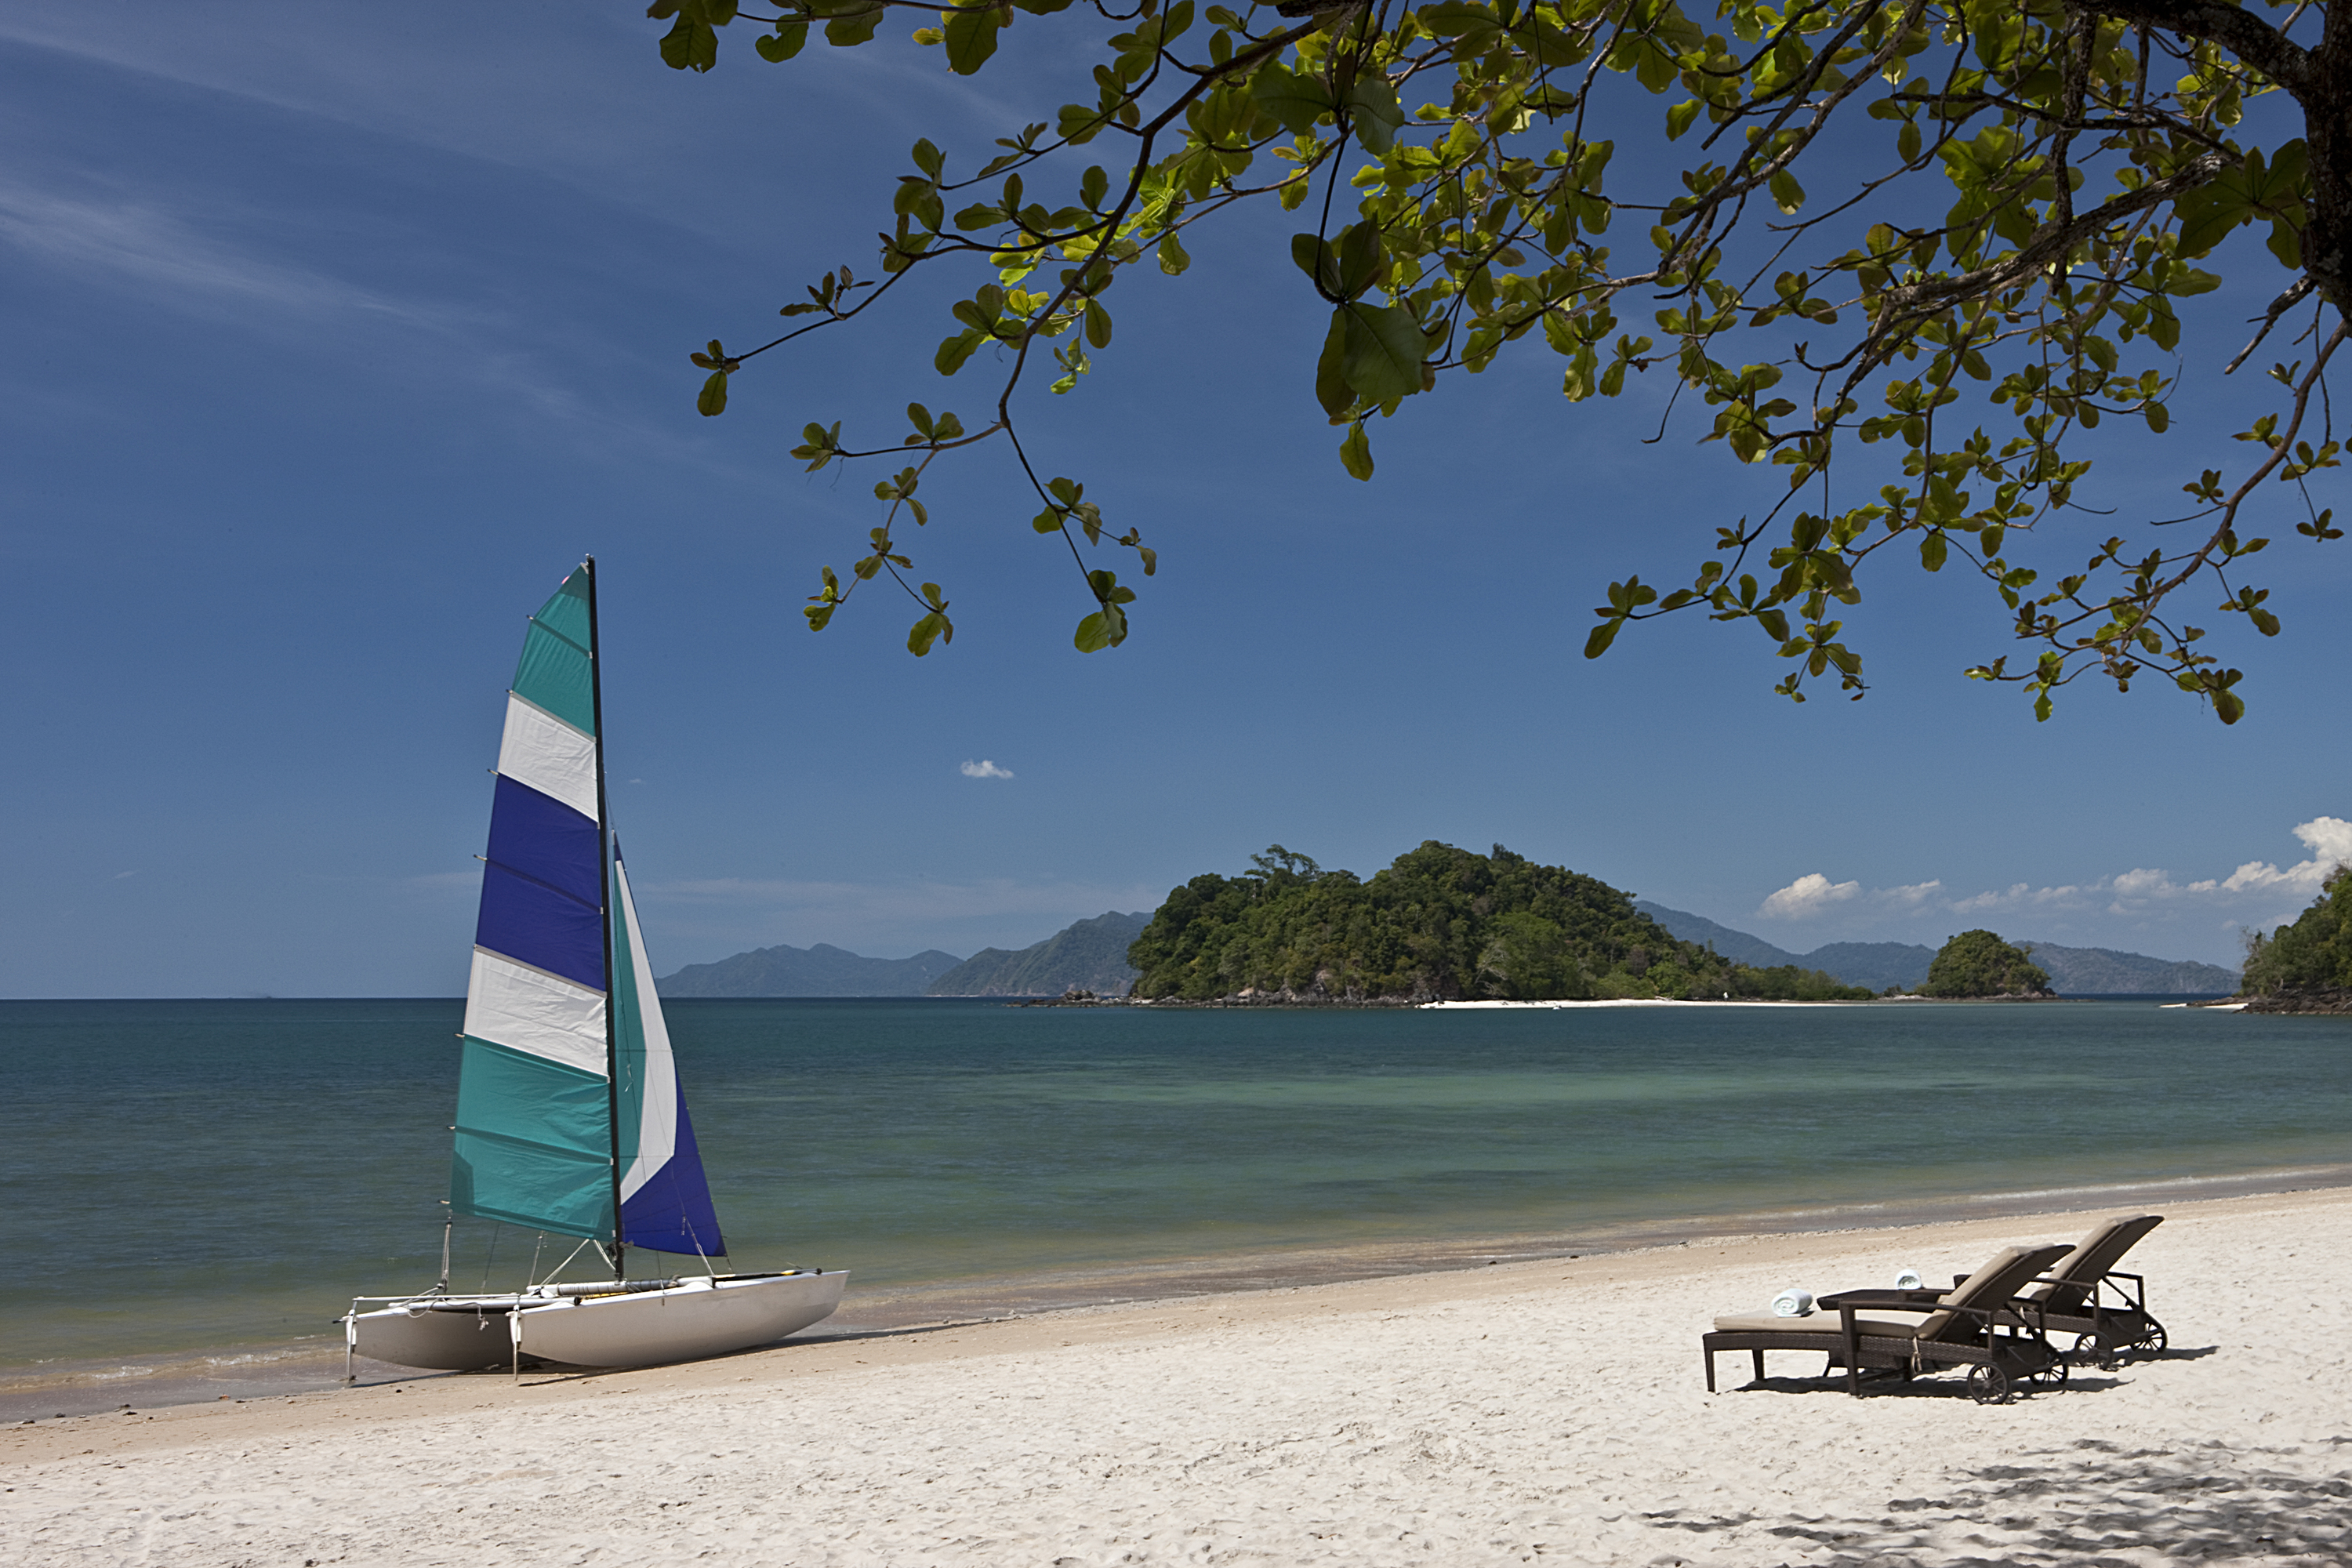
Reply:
x=569, y=1118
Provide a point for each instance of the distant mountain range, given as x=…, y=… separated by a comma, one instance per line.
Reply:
x=820, y=970
x=2089, y=971
x=1090, y=955
x=2073, y=970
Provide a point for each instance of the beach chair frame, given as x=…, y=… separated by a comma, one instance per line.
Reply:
x=2005, y=1347
x=2112, y=1330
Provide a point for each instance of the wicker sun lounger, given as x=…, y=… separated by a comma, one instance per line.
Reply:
x=2085, y=1295
x=1978, y=1324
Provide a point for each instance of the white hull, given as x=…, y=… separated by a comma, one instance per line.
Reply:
x=449, y=1335
x=692, y=1318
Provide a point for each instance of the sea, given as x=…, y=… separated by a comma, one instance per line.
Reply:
x=191, y=1191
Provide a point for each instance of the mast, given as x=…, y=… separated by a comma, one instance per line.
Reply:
x=604, y=876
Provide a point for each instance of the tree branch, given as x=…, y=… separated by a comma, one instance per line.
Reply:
x=2241, y=32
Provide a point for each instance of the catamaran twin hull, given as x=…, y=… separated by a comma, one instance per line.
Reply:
x=629, y=1326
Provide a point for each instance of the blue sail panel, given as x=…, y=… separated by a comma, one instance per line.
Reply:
x=546, y=840
x=528, y=920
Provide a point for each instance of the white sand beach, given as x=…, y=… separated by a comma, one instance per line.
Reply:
x=1550, y=1412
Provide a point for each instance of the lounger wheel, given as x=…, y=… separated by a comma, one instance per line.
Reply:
x=1988, y=1385
x=2049, y=1377
x=2091, y=1350
x=2151, y=1344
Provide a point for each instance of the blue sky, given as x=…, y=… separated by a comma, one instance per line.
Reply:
x=338, y=334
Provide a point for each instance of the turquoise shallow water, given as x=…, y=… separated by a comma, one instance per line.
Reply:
x=187, y=1175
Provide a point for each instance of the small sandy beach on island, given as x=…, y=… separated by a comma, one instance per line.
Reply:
x=1543, y=1411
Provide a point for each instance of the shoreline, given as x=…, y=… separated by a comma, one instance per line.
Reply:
x=313, y=1365
x=1544, y=1410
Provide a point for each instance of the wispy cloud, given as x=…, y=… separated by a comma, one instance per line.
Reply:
x=984, y=769
x=917, y=900
x=2016, y=895
x=157, y=249
x=2132, y=893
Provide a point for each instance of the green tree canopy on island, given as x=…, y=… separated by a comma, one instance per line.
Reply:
x=1438, y=923
x=1978, y=964
x=1900, y=253
x=2311, y=958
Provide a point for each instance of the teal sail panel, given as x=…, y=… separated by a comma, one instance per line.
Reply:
x=534, y=1129
x=534, y=1143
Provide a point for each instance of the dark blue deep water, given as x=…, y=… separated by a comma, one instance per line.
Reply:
x=180, y=1174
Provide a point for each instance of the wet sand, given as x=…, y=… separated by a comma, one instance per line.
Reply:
x=1542, y=1409
x=315, y=1363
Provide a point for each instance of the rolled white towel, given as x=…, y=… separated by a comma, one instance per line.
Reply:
x=1793, y=1302
x=1908, y=1279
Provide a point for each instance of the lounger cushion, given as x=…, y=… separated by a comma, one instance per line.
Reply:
x=2080, y=1270
x=1827, y=1325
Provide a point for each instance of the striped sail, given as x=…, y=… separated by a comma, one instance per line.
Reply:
x=537, y=1142
x=665, y=1197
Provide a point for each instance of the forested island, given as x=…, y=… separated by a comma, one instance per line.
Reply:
x=1438, y=924
x=2306, y=967
x=1978, y=963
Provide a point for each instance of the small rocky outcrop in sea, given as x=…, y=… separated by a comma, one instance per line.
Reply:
x=2302, y=999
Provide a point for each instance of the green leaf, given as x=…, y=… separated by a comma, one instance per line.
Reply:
x=846, y=31
x=1601, y=636
x=1097, y=324
x=1372, y=105
x=689, y=45
x=1679, y=118
x=931, y=628
x=1356, y=451
x=787, y=40
x=954, y=351
x=1331, y=389
x=1107, y=628
x=1385, y=347
x=972, y=38
x=1172, y=259
x=1296, y=100
x=713, y=399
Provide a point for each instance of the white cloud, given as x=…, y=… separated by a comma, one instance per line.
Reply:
x=2330, y=840
x=984, y=769
x=1808, y=895
x=2137, y=891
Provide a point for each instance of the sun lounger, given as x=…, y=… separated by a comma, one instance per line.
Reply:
x=1978, y=1324
x=2085, y=1295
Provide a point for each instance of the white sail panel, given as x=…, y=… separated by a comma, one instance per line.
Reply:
x=530, y=1010
x=658, y=1103
x=539, y=750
